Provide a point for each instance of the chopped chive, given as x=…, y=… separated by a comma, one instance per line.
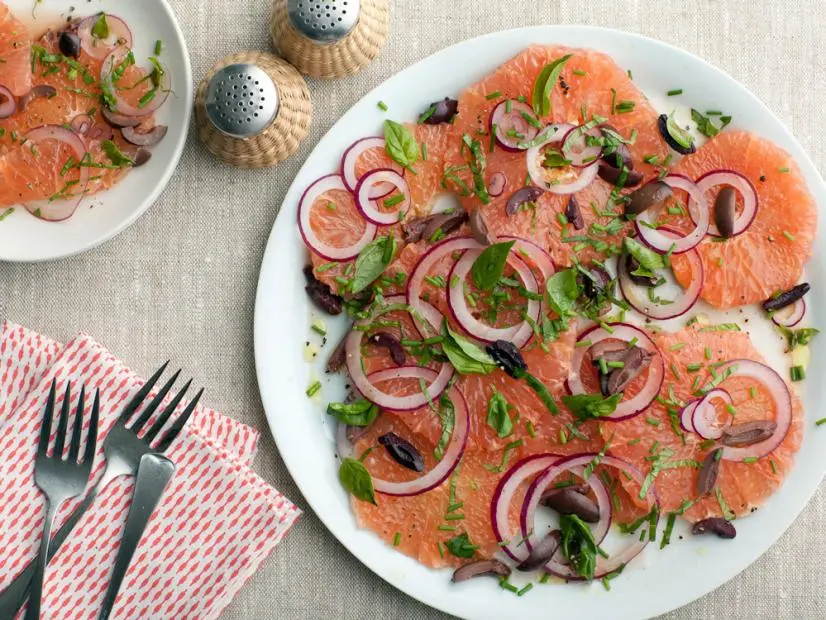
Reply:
x=652, y=421
x=783, y=170
x=635, y=441
x=560, y=217
x=625, y=106
x=158, y=47
x=693, y=367
x=616, y=364
x=492, y=144
x=581, y=344
x=788, y=235
x=525, y=590
x=677, y=346
x=530, y=428
x=669, y=527
x=579, y=72
x=797, y=373
x=650, y=159
x=753, y=392
x=493, y=95
x=447, y=528
x=603, y=366
x=633, y=342
x=708, y=353
x=441, y=549
x=630, y=75
x=820, y=422
x=508, y=106
x=454, y=507
x=456, y=517
x=606, y=327
x=505, y=585
x=325, y=267
x=382, y=106
x=731, y=409
x=397, y=539
x=563, y=436
x=392, y=202
x=675, y=92
x=774, y=467
x=714, y=113
x=706, y=444
x=750, y=459
x=675, y=371
x=613, y=101
x=314, y=388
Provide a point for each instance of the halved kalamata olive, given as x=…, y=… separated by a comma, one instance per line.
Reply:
x=82, y=123
x=426, y=227
x=614, y=355
x=725, y=209
x=631, y=265
x=610, y=153
x=748, y=433
x=542, y=551
x=675, y=136
x=569, y=501
x=69, y=44
x=507, y=357
x=119, y=120
x=597, y=289
x=41, y=90
x=479, y=227
x=521, y=196
x=715, y=525
x=647, y=196
x=707, y=477
x=440, y=111
x=389, y=342
x=141, y=157
x=786, y=298
x=100, y=132
x=574, y=214
x=634, y=362
x=321, y=293
x=150, y=138
x=479, y=568
x=338, y=357
x=402, y=451
x=613, y=175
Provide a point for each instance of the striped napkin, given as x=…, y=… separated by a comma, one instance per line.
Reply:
x=214, y=526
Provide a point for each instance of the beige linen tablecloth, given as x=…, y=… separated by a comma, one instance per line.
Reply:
x=181, y=282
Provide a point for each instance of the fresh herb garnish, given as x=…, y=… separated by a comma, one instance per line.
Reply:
x=578, y=545
x=590, y=406
x=499, y=418
x=400, y=144
x=563, y=291
x=705, y=126
x=680, y=135
x=101, y=28
x=477, y=164
x=355, y=478
x=447, y=417
x=359, y=413
x=798, y=337
x=461, y=547
x=544, y=84
x=488, y=268
x=648, y=260
x=115, y=155
x=465, y=356
x=371, y=262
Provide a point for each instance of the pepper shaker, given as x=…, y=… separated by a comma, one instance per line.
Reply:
x=252, y=109
x=329, y=38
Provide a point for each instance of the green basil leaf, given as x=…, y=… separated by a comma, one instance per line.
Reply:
x=578, y=545
x=465, y=356
x=704, y=124
x=544, y=84
x=490, y=265
x=400, y=144
x=371, y=262
x=563, y=291
x=115, y=155
x=800, y=337
x=101, y=28
x=590, y=406
x=648, y=259
x=359, y=413
x=555, y=159
x=460, y=546
x=447, y=418
x=355, y=478
x=499, y=418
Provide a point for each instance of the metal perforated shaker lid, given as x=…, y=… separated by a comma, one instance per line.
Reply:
x=324, y=21
x=241, y=100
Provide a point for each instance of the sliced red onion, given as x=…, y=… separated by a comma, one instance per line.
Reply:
x=781, y=396
x=534, y=253
x=557, y=565
x=518, y=334
x=687, y=416
x=575, y=146
x=743, y=186
x=704, y=415
x=682, y=242
x=678, y=307
x=59, y=210
x=350, y=159
x=8, y=102
x=534, y=157
x=119, y=36
x=317, y=189
x=508, y=536
x=375, y=395
x=367, y=186
x=120, y=105
x=790, y=315
x=496, y=184
x=513, y=120
x=626, y=333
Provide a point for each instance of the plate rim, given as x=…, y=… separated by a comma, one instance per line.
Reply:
x=268, y=400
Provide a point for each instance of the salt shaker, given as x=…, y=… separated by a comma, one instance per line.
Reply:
x=329, y=38
x=253, y=109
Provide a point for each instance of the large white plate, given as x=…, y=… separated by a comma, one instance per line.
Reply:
x=658, y=581
x=99, y=218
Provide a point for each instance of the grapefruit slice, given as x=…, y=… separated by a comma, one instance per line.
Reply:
x=15, y=53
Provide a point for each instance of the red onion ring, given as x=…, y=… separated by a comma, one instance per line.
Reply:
x=575, y=146
x=8, y=102
x=534, y=253
x=374, y=394
x=697, y=208
x=368, y=185
x=678, y=307
x=502, y=500
x=687, y=416
x=604, y=566
x=453, y=452
x=59, y=210
x=119, y=35
x=317, y=189
x=121, y=107
x=496, y=184
x=790, y=315
x=518, y=334
x=534, y=157
x=350, y=159
x=782, y=398
x=505, y=121
x=626, y=333
x=704, y=415
x=743, y=186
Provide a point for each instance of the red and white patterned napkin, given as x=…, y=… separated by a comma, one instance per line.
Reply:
x=216, y=523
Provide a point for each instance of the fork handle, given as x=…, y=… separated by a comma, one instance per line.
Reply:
x=33, y=611
x=154, y=474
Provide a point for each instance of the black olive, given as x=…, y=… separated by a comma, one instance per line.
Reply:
x=442, y=111
x=521, y=196
x=69, y=44
x=389, y=342
x=631, y=265
x=786, y=298
x=707, y=477
x=574, y=214
x=716, y=525
x=402, y=451
x=748, y=433
x=635, y=360
x=647, y=196
x=508, y=358
x=725, y=209
x=608, y=172
x=321, y=293
x=479, y=227
x=425, y=227
x=479, y=568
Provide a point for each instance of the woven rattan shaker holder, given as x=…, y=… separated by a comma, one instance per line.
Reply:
x=253, y=109
x=329, y=38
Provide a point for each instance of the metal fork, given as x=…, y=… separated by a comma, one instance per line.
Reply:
x=58, y=479
x=123, y=449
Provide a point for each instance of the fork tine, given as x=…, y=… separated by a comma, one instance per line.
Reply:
x=153, y=406
x=91, y=440
x=177, y=426
x=74, y=447
x=166, y=414
x=137, y=399
x=46, y=427
x=62, y=423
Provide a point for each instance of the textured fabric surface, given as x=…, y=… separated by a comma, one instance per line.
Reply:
x=181, y=282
